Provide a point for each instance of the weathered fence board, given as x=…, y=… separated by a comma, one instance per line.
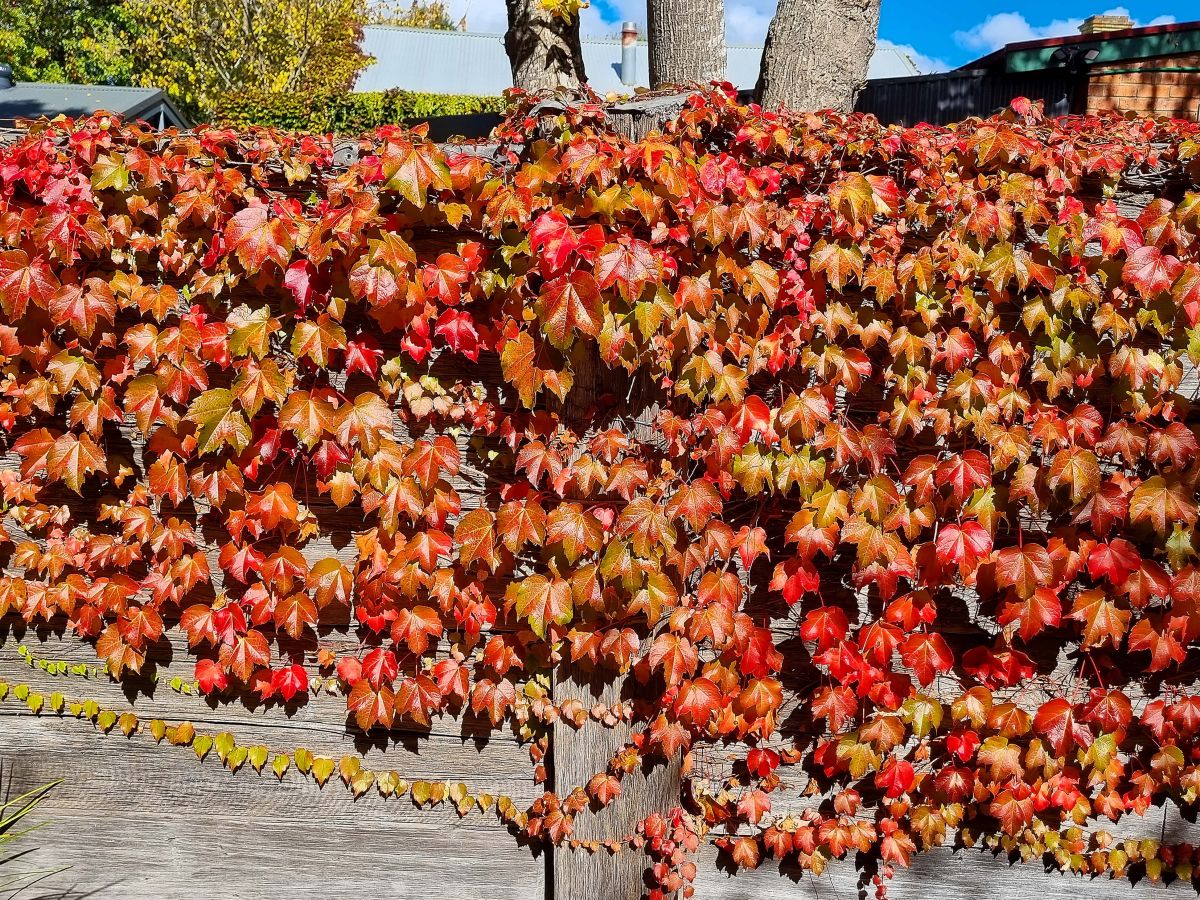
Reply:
x=134, y=819
x=144, y=822
x=937, y=875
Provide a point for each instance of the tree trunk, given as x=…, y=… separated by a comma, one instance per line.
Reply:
x=817, y=54
x=687, y=41
x=543, y=51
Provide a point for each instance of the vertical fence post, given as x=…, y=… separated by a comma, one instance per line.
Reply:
x=578, y=754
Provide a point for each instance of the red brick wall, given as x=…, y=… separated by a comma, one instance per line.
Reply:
x=1175, y=94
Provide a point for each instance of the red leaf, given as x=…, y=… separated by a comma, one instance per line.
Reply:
x=927, y=655
x=1026, y=568
x=458, y=328
x=1034, y=613
x=963, y=545
x=697, y=700
x=256, y=239
x=1151, y=271
x=290, y=681
x=1055, y=720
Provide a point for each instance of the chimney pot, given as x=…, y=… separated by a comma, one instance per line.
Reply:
x=1104, y=23
x=629, y=36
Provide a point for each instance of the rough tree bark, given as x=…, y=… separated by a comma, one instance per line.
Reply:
x=543, y=50
x=817, y=54
x=687, y=41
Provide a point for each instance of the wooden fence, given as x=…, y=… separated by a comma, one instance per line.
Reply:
x=134, y=818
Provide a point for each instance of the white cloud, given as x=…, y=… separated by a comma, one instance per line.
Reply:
x=1011, y=27
x=747, y=23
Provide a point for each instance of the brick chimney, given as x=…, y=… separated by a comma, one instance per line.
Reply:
x=1101, y=24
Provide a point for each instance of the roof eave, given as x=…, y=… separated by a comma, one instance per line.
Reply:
x=1113, y=46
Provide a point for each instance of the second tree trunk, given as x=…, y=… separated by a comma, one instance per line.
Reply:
x=817, y=54
x=543, y=49
x=687, y=41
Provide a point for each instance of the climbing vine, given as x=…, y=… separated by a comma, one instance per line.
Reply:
x=866, y=454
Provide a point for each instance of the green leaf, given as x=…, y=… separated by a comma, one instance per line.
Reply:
x=303, y=759
x=201, y=744
x=220, y=422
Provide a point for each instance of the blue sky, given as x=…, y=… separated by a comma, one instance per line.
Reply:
x=935, y=33
x=957, y=33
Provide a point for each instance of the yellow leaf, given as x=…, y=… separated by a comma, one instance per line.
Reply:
x=35, y=702
x=322, y=768
x=506, y=808
x=304, y=760
x=280, y=765
x=225, y=743
x=106, y=720
x=386, y=783
x=258, y=757
x=361, y=782
x=128, y=723
x=348, y=767
x=182, y=734
x=237, y=756
x=421, y=792
x=158, y=728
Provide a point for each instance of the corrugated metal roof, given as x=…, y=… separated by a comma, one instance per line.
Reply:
x=30, y=100
x=463, y=62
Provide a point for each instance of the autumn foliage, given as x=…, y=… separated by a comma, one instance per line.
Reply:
x=868, y=452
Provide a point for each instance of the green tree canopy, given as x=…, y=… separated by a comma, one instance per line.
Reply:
x=83, y=41
x=415, y=14
x=199, y=50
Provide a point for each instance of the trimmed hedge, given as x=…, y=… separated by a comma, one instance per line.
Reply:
x=348, y=113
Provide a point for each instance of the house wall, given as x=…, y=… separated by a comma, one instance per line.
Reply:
x=1147, y=92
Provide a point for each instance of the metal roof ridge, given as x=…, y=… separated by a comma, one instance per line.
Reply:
x=1134, y=32
x=584, y=39
x=133, y=88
